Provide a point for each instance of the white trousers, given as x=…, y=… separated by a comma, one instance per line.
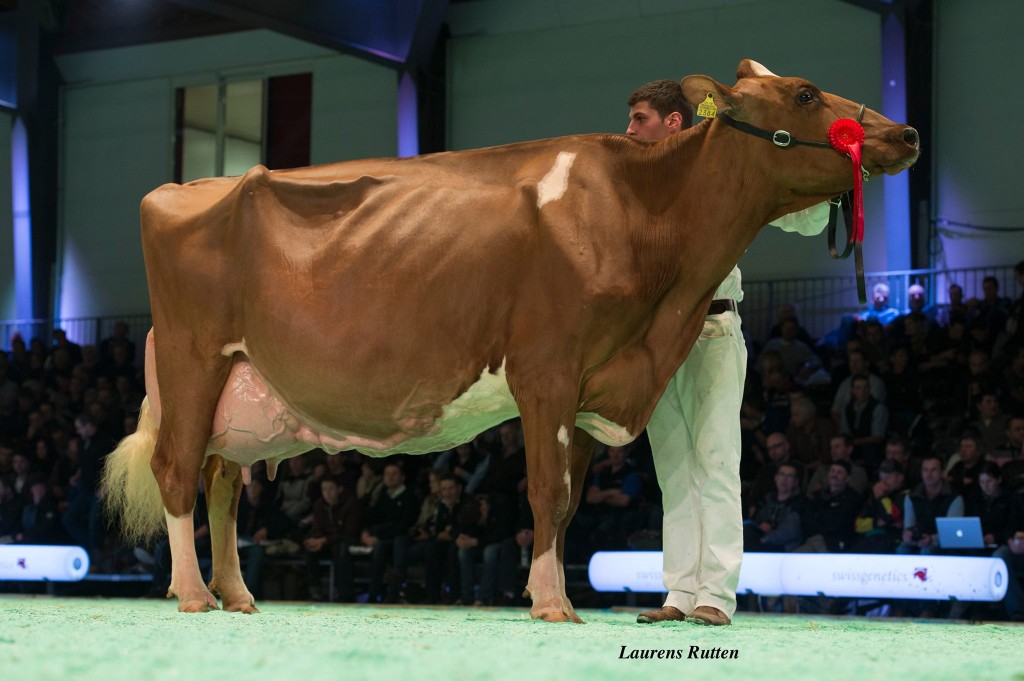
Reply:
x=695, y=438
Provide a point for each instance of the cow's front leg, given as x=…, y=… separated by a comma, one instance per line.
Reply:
x=223, y=481
x=548, y=464
x=186, y=580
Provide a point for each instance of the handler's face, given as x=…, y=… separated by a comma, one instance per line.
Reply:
x=647, y=124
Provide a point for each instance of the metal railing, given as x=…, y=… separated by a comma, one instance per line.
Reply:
x=820, y=302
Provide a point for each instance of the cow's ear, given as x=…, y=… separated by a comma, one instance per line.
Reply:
x=697, y=88
x=749, y=68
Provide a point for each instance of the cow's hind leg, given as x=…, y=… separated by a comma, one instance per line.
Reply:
x=582, y=449
x=189, y=390
x=223, y=480
x=548, y=460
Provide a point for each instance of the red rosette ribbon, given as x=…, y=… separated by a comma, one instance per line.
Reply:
x=846, y=135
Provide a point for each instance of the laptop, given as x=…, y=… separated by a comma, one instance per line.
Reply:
x=961, y=533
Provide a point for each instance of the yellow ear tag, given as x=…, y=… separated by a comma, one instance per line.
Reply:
x=707, y=108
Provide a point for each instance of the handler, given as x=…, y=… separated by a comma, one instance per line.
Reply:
x=695, y=429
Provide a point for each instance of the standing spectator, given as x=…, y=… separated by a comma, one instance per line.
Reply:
x=933, y=498
x=336, y=525
x=992, y=310
x=955, y=308
x=775, y=523
x=119, y=337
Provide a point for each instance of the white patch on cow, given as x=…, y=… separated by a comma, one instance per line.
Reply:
x=546, y=576
x=484, y=405
x=563, y=436
x=603, y=430
x=552, y=187
x=232, y=348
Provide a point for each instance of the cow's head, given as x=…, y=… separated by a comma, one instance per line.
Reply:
x=769, y=102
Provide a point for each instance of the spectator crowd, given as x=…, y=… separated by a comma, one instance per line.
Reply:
x=856, y=442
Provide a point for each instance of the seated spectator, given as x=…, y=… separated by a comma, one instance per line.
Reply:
x=775, y=522
x=1013, y=379
x=829, y=516
x=896, y=449
x=10, y=512
x=879, y=310
x=875, y=345
x=1012, y=553
x=370, y=483
x=793, y=351
x=467, y=463
x=428, y=544
x=880, y=523
x=260, y=525
x=963, y=468
x=991, y=423
x=955, y=308
x=933, y=498
x=779, y=452
x=858, y=365
x=992, y=504
x=903, y=391
x=612, y=493
x=865, y=420
x=992, y=310
x=478, y=532
x=294, y=492
x=1010, y=455
x=119, y=337
x=809, y=434
x=840, y=449
x=788, y=312
x=502, y=561
x=40, y=519
x=337, y=522
x=392, y=516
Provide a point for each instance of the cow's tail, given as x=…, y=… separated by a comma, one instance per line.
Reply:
x=132, y=496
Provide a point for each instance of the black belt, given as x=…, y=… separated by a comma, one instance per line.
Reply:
x=721, y=305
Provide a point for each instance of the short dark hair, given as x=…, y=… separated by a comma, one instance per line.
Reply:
x=890, y=466
x=665, y=97
x=844, y=464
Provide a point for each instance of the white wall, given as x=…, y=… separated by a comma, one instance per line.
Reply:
x=117, y=143
x=978, y=152
x=7, y=300
x=526, y=69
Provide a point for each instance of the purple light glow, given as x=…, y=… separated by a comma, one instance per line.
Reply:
x=894, y=107
x=23, y=293
x=408, y=117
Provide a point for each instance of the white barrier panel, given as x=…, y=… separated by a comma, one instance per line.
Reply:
x=847, y=575
x=37, y=563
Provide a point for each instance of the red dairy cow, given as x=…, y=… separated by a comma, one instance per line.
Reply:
x=406, y=305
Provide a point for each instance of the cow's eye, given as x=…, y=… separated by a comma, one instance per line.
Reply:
x=805, y=96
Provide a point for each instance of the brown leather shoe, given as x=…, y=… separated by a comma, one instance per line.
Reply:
x=705, y=614
x=665, y=614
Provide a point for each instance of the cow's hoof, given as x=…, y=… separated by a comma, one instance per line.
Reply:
x=196, y=602
x=556, y=614
x=245, y=608
x=196, y=606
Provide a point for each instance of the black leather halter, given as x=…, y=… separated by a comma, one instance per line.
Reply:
x=784, y=139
